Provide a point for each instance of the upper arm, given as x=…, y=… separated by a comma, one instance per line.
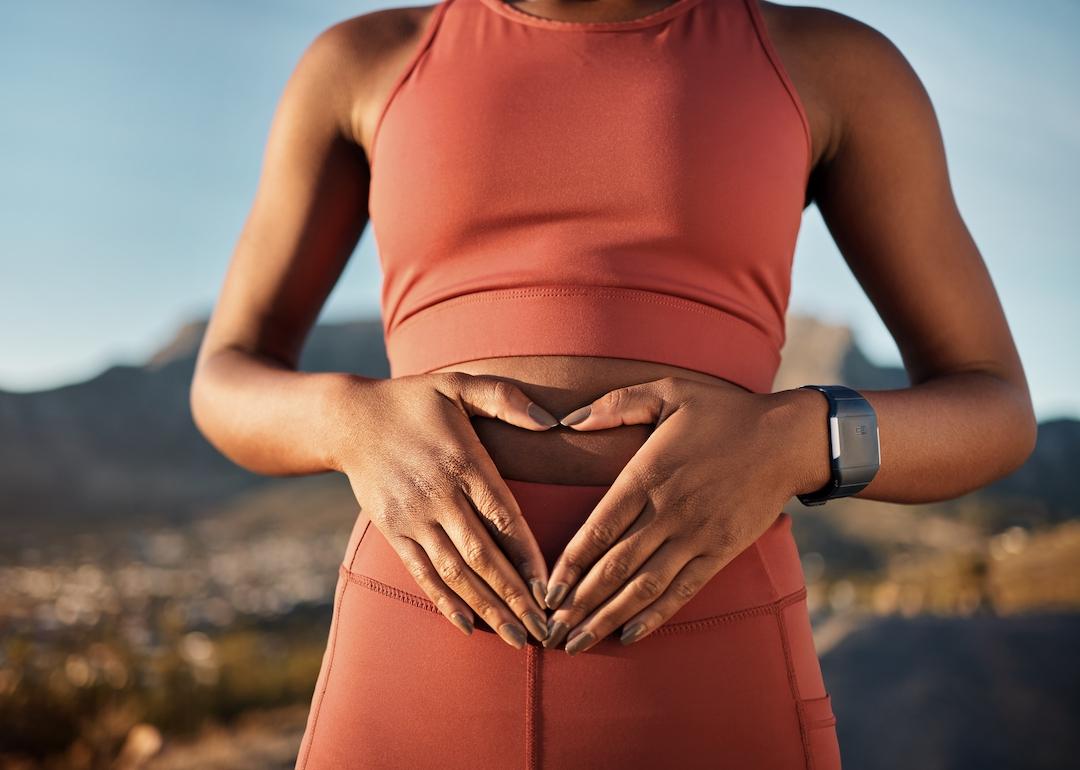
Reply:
x=309, y=210
x=884, y=192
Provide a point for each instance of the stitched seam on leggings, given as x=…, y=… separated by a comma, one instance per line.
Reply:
x=672, y=628
x=329, y=671
x=794, y=684
x=532, y=707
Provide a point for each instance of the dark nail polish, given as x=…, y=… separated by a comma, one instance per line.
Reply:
x=576, y=416
x=541, y=415
x=536, y=625
x=580, y=641
x=513, y=634
x=556, y=631
x=556, y=593
x=631, y=633
x=539, y=590
x=462, y=622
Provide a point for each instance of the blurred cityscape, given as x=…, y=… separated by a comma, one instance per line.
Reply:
x=162, y=608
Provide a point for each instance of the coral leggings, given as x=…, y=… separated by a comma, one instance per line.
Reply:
x=732, y=680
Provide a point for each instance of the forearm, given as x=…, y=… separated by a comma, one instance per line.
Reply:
x=939, y=439
x=268, y=418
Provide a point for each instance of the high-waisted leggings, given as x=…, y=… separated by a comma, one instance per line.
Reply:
x=732, y=680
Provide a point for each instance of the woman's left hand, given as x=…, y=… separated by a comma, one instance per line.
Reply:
x=709, y=480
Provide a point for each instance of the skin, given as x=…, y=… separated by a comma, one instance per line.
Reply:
x=699, y=467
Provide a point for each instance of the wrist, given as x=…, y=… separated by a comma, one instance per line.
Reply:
x=804, y=425
x=341, y=421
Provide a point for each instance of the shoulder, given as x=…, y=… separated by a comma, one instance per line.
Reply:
x=358, y=58
x=842, y=65
x=845, y=39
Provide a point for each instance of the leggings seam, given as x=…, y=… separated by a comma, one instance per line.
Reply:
x=793, y=683
x=772, y=607
x=329, y=671
x=532, y=707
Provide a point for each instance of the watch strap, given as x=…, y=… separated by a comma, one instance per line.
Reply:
x=851, y=415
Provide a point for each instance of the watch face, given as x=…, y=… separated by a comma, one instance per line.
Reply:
x=858, y=441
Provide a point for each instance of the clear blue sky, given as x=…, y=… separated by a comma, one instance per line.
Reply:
x=133, y=130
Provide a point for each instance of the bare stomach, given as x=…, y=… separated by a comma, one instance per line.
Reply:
x=561, y=384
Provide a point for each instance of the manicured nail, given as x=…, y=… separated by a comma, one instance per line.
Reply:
x=462, y=622
x=538, y=591
x=541, y=415
x=576, y=416
x=631, y=633
x=513, y=634
x=579, y=642
x=556, y=593
x=556, y=631
x=536, y=625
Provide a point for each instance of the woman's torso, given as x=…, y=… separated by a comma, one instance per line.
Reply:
x=559, y=383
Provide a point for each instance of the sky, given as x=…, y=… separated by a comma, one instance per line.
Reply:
x=132, y=132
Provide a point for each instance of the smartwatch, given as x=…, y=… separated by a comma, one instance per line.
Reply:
x=854, y=444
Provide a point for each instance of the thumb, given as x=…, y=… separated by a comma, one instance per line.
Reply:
x=649, y=403
x=490, y=396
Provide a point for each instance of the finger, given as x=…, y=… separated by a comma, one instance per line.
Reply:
x=642, y=590
x=483, y=556
x=620, y=506
x=498, y=510
x=609, y=574
x=456, y=573
x=649, y=403
x=450, y=604
x=683, y=587
x=500, y=399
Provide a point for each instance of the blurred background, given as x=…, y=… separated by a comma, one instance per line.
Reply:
x=162, y=608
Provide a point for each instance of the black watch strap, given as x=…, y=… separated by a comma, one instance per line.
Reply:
x=854, y=444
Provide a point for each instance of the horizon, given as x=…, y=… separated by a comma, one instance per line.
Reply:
x=115, y=234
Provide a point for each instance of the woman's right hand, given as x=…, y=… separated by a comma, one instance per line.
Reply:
x=416, y=465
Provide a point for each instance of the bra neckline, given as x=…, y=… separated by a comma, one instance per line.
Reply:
x=656, y=17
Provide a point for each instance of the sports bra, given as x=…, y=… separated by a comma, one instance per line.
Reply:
x=631, y=189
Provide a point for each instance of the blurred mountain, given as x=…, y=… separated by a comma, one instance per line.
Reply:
x=122, y=446
x=940, y=693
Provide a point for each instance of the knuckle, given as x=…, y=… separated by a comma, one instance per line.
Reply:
x=451, y=571
x=685, y=500
x=601, y=534
x=615, y=570
x=724, y=539
x=501, y=521
x=455, y=381
x=457, y=463
x=614, y=399
x=684, y=589
x=647, y=586
x=512, y=596
x=503, y=391
x=647, y=477
x=486, y=610
x=477, y=556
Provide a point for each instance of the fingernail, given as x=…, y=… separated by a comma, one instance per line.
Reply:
x=541, y=415
x=513, y=634
x=556, y=631
x=576, y=416
x=556, y=593
x=536, y=625
x=631, y=633
x=462, y=622
x=538, y=591
x=580, y=641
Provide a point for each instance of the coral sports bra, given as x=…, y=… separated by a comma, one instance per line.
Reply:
x=631, y=189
